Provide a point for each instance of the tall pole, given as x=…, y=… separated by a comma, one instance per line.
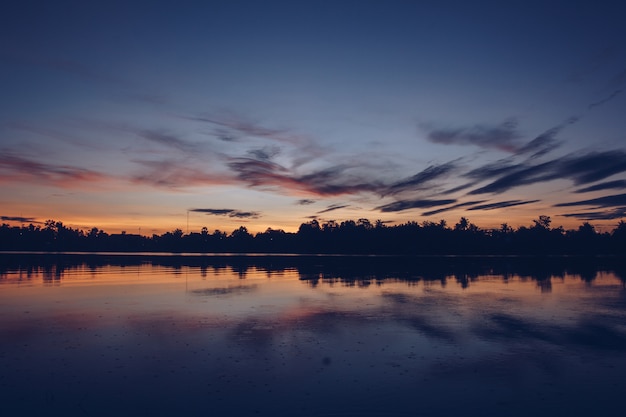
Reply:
x=187, y=221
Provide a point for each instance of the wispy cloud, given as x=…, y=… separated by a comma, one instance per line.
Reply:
x=227, y=212
x=409, y=204
x=459, y=188
x=19, y=168
x=617, y=213
x=606, y=201
x=332, y=208
x=326, y=182
x=593, y=167
x=516, y=176
x=260, y=170
x=305, y=202
x=337, y=180
x=224, y=135
x=581, y=169
x=256, y=172
x=168, y=140
x=455, y=206
x=19, y=219
x=502, y=137
x=269, y=161
x=502, y=204
x=230, y=124
x=173, y=173
x=609, y=185
x=605, y=100
x=259, y=166
x=264, y=154
x=546, y=141
x=231, y=127
x=494, y=169
x=419, y=180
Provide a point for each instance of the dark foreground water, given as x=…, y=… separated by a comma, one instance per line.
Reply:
x=311, y=336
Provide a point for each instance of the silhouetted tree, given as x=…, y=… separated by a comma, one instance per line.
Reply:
x=358, y=237
x=543, y=222
x=463, y=224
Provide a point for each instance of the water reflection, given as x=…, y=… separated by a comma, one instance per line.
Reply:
x=353, y=270
x=311, y=336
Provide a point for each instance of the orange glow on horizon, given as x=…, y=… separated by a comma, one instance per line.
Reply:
x=147, y=226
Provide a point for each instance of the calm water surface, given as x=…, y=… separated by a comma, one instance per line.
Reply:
x=191, y=336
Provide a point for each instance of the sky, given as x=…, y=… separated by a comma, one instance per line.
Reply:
x=146, y=116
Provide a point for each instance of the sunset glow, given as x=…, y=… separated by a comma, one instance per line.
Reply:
x=145, y=117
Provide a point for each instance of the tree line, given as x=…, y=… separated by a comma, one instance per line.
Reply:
x=347, y=237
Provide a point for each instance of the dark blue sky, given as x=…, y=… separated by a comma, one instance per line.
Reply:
x=130, y=115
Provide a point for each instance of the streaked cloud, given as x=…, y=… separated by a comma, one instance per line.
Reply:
x=305, y=202
x=337, y=180
x=606, y=201
x=332, y=208
x=231, y=127
x=581, y=169
x=494, y=169
x=455, y=206
x=502, y=204
x=227, y=212
x=168, y=140
x=409, y=204
x=516, y=176
x=502, y=137
x=19, y=219
x=606, y=99
x=331, y=181
x=20, y=168
x=233, y=124
x=592, y=167
x=458, y=188
x=609, y=185
x=546, y=141
x=174, y=173
x=256, y=172
x=614, y=214
x=419, y=180
x=264, y=154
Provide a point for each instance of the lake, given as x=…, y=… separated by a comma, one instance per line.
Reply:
x=157, y=335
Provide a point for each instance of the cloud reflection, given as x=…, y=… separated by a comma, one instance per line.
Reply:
x=258, y=323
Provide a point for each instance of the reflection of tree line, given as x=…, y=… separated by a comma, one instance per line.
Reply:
x=348, y=237
x=349, y=270
x=50, y=273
